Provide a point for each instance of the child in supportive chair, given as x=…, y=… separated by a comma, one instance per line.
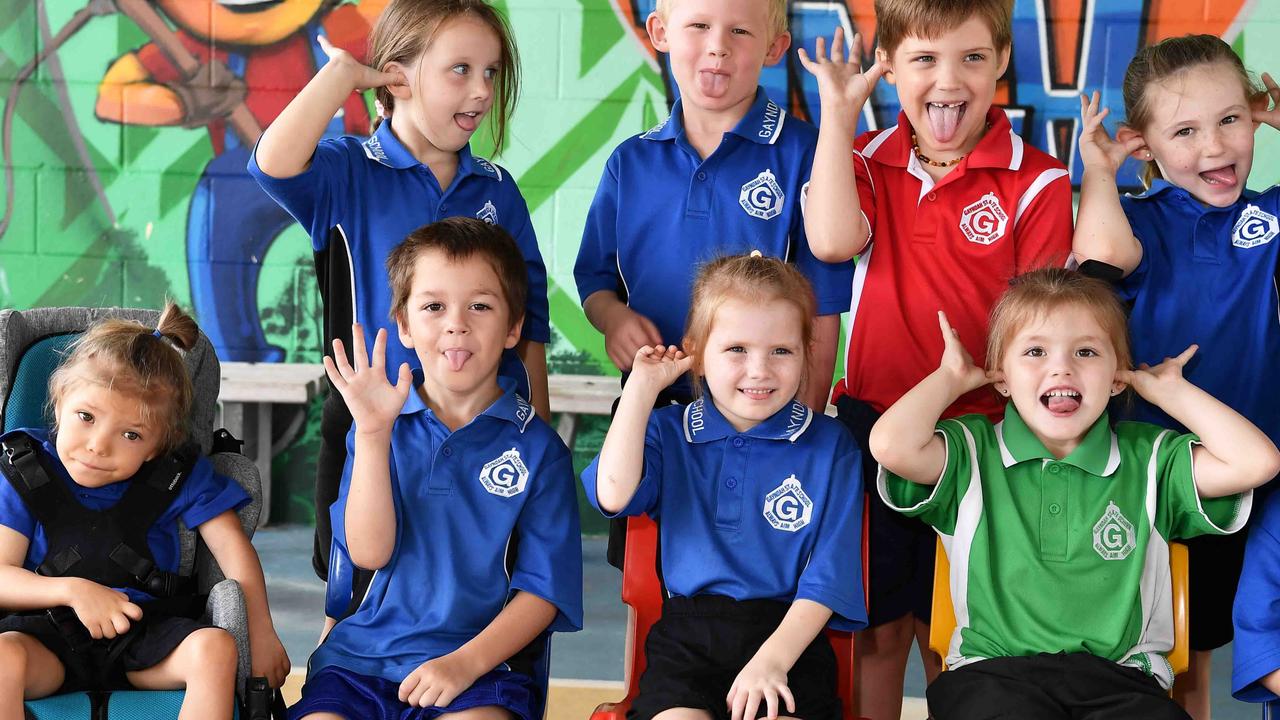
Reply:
x=1055, y=501
x=89, y=545
x=758, y=503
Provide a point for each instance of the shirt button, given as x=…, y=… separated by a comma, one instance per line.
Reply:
x=444, y=210
x=1054, y=508
x=702, y=175
x=933, y=196
x=731, y=483
x=739, y=442
x=447, y=451
x=1055, y=469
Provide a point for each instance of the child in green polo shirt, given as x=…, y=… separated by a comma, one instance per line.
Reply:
x=1055, y=521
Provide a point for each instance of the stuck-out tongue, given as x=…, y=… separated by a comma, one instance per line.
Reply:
x=712, y=84
x=1222, y=176
x=1063, y=404
x=467, y=122
x=457, y=358
x=943, y=121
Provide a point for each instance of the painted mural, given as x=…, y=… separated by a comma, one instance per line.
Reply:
x=127, y=125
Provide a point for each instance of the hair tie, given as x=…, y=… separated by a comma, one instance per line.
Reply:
x=158, y=334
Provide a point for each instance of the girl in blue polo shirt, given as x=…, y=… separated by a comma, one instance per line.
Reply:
x=1198, y=258
x=758, y=501
x=440, y=68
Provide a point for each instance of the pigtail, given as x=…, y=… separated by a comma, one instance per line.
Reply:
x=177, y=327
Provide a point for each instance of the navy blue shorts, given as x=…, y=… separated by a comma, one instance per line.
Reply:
x=364, y=697
x=900, y=549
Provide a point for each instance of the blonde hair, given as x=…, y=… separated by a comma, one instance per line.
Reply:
x=751, y=278
x=144, y=363
x=407, y=27
x=1038, y=293
x=1169, y=57
x=897, y=20
x=776, y=11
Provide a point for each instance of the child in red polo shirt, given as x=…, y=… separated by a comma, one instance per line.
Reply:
x=942, y=209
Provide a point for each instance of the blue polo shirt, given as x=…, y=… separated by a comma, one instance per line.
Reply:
x=660, y=211
x=1207, y=276
x=771, y=513
x=368, y=195
x=463, y=500
x=204, y=496
x=1256, y=649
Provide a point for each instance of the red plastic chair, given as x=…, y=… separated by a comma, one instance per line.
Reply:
x=643, y=596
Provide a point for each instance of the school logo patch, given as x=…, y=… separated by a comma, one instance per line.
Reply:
x=1255, y=227
x=505, y=475
x=787, y=507
x=1113, y=535
x=488, y=213
x=762, y=197
x=984, y=221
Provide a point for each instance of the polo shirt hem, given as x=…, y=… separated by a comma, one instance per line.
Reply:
x=1243, y=504
x=591, y=477
x=844, y=609
x=1246, y=677
x=883, y=480
x=563, y=621
x=205, y=517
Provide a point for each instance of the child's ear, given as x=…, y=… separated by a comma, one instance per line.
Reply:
x=657, y=29
x=399, y=92
x=998, y=382
x=1117, y=385
x=513, y=334
x=1003, y=57
x=882, y=57
x=403, y=330
x=778, y=48
x=1124, y=134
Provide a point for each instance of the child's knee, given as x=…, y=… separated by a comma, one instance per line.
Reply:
x=13, y=654
x=210, y=650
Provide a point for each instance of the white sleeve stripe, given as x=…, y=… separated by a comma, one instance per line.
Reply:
x=1043, y=181
x=867, y=167
x=1015, y=162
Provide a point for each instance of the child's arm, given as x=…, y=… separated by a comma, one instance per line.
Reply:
x=238, y=560
x=104, y=612
x=834, y=220
x=1233, y=455
x=903, y=440
x=374, y=403
x=534, y=356
x=764, y=677
x=822, y=362
x=438, y=681
x=1102, y=230
x=287, y=145
x=625, y=330
x=622, y=456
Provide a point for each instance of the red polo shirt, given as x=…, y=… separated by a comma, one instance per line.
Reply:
x=1005, y=209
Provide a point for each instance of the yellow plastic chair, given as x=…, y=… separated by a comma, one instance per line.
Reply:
x=943, y=623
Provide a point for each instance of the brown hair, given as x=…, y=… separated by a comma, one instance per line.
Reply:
x=407, y=27
x=144, y=363
x=776, y=11
x=897, y=20
x=459, y=238
x=751, y=278
x=1037, y=293
x=1169, y=57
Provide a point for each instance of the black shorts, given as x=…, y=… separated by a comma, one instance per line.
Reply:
x=101, y=664
x=900, y=549
x=700, y=644
x=1214, y=563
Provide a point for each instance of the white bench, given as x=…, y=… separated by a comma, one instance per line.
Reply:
x=249, y=390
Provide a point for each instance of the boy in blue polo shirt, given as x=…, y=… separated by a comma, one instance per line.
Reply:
x=455, y=494
x=724, y=174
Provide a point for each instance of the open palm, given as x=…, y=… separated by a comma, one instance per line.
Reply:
x=374, y=402
x=842, y=84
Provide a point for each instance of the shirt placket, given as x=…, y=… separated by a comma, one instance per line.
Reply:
x=1055, y=479
x=731, y=483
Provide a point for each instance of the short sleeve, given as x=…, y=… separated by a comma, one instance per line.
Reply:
x=549, y=556
x=1256, y=615
x=1129, y=287
x=13, y=511
x=939, y=504
x=1044, y=227
x=832, y=282
x=645, y=500
x=206, y=495
x=537, y=318
x=833, y=575
x=316, y=197
x=596, y=268
x=1183, y=513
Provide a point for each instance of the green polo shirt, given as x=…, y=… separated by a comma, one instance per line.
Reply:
x=1066, y=555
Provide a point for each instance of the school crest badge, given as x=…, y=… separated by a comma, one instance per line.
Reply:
x=505, y=475
x=787, y=507
x=488, y=213
x=1255, y=227
x=762, y=196
x=1113, y=535
x=984, y=221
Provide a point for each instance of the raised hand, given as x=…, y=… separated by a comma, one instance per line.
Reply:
x=363, y=77
x=104, y=612
x=1097, y=148
x=957, y=362
x=842, y=84
x=626, y=331
x=657, y=367
x=1152, y=383
x=374, y=402
x=1270, y=112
